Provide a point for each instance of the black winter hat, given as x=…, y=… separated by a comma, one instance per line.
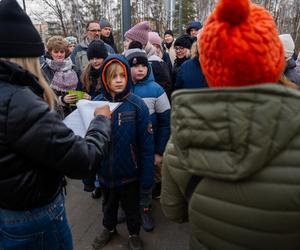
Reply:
x=184, y=41
x=169, y=32
x=97, y=49
x=135, y=45
x=19, y=38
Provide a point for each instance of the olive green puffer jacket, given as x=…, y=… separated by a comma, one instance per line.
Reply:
x=245, y=143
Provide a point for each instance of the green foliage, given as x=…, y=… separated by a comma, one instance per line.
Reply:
x=188, y=14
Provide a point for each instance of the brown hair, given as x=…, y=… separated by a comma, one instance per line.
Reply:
x=86, y=80
x=57, y=43
x=286, y=82
x=89, y=22
x=32, y=64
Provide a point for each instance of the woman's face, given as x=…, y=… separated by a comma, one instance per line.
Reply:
x=168, y=38
x=58, y=54
x=181, y=52
x=126, y=43
x=96, y=62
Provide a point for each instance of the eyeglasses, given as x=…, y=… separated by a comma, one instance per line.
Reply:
x=179, y=48
x=94, y=31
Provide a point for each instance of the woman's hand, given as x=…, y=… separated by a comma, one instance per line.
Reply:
x=70, y=98
x=87, y=96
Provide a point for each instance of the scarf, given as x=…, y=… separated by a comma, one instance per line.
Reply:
x=65, y=78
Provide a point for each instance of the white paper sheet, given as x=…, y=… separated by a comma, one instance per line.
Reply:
x=79, y=120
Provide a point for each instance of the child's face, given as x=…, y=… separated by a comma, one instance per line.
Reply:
x=96, y=62
x=118, y=81
x=138, y=72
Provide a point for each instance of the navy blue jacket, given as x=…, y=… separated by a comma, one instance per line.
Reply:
x=159, y=107
x=190, y=75
x=131, y=151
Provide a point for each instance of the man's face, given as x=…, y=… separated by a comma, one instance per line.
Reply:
x=93, y=31
x=194, y=32
x=105, y=31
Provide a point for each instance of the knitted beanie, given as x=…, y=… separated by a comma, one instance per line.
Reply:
x=193, y=25
x=136, y=56
x=19, y=38
x=97, y=49
x=71, y=40
x=155, y=39
x=169, y=32
x=288, y=45
x=104, y=23
x=239, y=46
x=184, y=41
x=139, y=32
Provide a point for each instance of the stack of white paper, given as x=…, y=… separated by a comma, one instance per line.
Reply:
x=79, y=120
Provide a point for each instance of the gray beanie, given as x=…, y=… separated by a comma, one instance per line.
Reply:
x=104, y=23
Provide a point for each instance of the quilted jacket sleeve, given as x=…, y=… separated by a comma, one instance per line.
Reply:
x=174, y=181
x=37, y=134
x=146, y=145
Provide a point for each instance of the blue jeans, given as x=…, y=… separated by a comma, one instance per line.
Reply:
x=44, y=228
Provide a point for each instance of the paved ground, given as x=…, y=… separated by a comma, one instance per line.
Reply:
x=84, y=214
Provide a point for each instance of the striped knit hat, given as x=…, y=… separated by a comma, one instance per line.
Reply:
x=240, y=46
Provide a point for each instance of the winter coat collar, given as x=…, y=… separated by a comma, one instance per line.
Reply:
x=16, y=75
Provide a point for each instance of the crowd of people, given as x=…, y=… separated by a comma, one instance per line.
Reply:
x=227, y=161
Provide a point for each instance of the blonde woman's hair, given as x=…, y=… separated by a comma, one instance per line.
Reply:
x=194, y=50
x=32, y=64
x=86, y=80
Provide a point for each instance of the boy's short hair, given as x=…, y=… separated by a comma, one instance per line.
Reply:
x=136, y=57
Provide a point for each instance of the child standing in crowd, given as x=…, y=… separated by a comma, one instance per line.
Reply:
x=159, y=107
x=129, y=164
x=90, y=82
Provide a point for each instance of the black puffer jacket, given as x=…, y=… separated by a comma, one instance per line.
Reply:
x=36, y=148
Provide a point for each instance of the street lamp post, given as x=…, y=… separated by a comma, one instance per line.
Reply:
x=126, y=16
x=24, y=5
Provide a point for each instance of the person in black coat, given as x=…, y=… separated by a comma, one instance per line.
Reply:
x=37, y=150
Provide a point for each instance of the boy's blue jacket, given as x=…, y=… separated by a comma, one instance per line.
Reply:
x=131, y=151
x=159, y=108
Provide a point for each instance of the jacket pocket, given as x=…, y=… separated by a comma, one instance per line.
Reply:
x=129, y=116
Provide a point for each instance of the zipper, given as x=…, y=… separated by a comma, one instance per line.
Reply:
x=119, y=119
x=133, y=155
